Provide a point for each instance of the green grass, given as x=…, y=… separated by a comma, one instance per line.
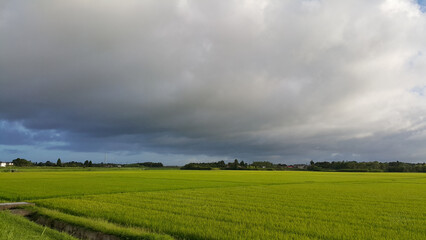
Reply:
x=230, y=204
x=102, y=225
x=15, y=227
x=54, y=184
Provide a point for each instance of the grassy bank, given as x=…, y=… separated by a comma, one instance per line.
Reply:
x=15, y=227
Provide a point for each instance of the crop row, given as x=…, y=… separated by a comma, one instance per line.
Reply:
x=56, y=184
x=310, y=211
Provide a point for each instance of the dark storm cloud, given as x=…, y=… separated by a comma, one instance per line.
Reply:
x=13, y=133
x=258, y=79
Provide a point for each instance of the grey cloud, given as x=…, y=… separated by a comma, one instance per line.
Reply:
x=13, y=133
x=258, y=79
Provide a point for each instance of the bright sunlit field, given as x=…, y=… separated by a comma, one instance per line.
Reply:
x=177, y=204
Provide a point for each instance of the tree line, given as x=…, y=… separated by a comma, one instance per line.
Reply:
x=367, y=166
x=21, y=162
x=146, y=164
x=342, y=166
x=235, y=165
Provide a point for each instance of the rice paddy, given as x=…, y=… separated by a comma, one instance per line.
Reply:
x=177, y=204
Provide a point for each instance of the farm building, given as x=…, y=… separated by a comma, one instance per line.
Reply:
x=300, y=166
x=5, y=164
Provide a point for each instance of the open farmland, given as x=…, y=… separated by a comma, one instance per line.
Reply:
x=229, y=204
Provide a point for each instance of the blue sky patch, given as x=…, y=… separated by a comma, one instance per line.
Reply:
x=422, y=4
x=419, y=90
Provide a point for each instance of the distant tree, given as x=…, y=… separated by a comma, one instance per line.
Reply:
x=86, y=163
x=397, y=167
x=49, y=164
x=20, y=162
x=59, y=162
x=263, y=164
x=221, y=164
x=151, y=164
x=233, y=165
x=90, y=164
x=73, y=164
x=208, y=165
x=196, y=166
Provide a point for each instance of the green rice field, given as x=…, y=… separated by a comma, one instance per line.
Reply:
x=177, y=204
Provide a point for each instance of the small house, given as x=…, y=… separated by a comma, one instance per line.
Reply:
x=300, y=166
x=5, y=164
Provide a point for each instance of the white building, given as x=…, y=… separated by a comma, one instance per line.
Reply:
x=5, y=164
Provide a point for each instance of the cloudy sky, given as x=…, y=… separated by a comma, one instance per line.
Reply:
x=178, y=81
